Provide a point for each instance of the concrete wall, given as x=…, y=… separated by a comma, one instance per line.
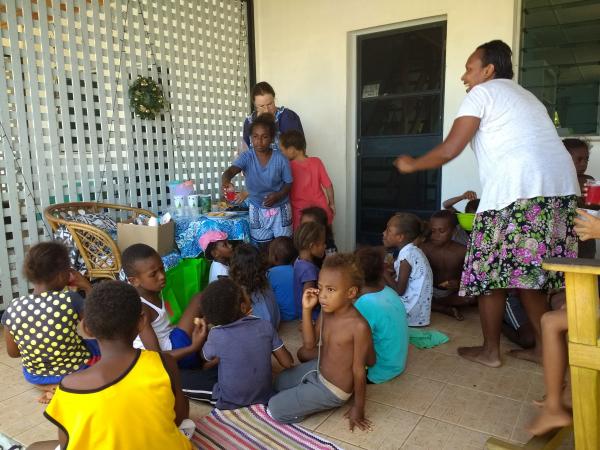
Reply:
x=306, y=50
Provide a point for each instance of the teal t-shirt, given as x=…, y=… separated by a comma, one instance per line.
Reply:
x=386, y=315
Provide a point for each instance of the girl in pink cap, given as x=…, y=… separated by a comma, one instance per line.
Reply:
x=217, y=248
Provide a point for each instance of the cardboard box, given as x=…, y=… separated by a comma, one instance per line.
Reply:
x=160, y=238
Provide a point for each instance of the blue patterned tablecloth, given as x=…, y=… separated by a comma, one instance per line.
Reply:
x=188, y=230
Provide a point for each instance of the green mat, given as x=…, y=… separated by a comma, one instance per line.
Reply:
x=426, y=338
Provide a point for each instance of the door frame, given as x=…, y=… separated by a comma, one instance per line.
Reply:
x=352, y=114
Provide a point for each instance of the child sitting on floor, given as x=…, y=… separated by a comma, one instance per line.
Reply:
x=130, y=398
x=281, y=275
x=311, y=186
x=145, y=271
x=309, y=240
x=316, y=214
x=335, y=350
x=249, y=270
x=243, y=344
x=446, y=258
x=384, y=310
x=41, y=327
x=411, y=275
x=217, y=248
x=459, y=235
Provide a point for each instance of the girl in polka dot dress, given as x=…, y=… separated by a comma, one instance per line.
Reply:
x=41, y=327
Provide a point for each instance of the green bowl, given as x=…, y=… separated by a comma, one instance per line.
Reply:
x=465, y=220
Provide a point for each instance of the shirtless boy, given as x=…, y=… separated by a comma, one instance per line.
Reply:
x=327, y=378
x=446, y=258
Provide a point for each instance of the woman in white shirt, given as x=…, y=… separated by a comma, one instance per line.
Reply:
x=528, y=199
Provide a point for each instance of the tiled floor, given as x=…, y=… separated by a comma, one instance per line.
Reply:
x=441, y=402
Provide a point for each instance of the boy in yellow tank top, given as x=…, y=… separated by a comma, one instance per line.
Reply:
x=131, y=398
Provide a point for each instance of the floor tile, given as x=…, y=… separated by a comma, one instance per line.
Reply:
x=45, y=431
x=476, y=410
x=341, y=444
x=391, y=426
x=21, y=412
x=199, y=409
x=314, y=420
x=432, y=365
x=13, y=382
x=408, y=392
x=432, y=434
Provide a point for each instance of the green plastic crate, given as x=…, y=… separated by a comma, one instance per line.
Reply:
x=184, y=280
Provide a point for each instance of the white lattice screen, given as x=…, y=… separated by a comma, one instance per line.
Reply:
x=68, y=132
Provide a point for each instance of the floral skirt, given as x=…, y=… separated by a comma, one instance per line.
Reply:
x=507, y=247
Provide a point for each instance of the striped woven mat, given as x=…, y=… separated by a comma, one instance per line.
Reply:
x=252, y=428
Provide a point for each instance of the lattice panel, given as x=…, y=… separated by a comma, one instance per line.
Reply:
x=68, y=131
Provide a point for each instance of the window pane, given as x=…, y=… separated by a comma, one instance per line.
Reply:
x=401, y=116
x=560, y=62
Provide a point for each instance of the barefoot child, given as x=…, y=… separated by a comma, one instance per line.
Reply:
x=249, y=270
x=459, y=235
x=145, y=271
x=311, y=186
x=243, y=344
x=217, y=248
x=411, y=275
x=554, y=412
x=281, y=275
x=130, y=398
x=446, y=258
x=336, y=350
x=309, y=240
x=41, y=327
x=384, y=310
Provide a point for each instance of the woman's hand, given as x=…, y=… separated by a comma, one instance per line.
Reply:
x=405, y=164
x=587, y=226
x=271, y=199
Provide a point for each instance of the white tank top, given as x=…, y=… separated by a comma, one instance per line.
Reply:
x=162, y=327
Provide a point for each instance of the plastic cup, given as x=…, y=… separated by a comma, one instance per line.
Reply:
x=192, y=200
x=179, y=201
x=592, y=196
x=230, y=196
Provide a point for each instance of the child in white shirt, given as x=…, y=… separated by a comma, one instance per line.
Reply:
x=216, y=247
x=411, y=275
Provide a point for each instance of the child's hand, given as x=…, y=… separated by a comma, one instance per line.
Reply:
x=357, y=418
x=470, y=195
x=450, y=284
x=77, y=280
x=199, y=333
x=310, y=298
x=587, y=226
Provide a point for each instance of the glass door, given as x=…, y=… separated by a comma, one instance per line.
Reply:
x=400, y=108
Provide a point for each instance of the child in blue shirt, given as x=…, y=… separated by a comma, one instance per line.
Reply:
x=243, y=344
x=309, y=240
x=281, y=275
x=384, y=310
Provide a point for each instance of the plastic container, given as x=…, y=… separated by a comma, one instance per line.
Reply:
x=592, y=196
x=184, y=280
x=465, y=220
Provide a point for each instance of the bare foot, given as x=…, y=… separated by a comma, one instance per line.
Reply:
x=548, y=421
x=46, y=397
x=528, y=354
x=479, y=355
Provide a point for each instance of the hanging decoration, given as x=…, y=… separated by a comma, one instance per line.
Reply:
x=146, y=98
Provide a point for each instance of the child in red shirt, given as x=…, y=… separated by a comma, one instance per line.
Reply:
x=311, y=186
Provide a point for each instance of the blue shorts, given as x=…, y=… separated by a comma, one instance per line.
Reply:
x=268, y=223
x=93, y=348
x=180, y=339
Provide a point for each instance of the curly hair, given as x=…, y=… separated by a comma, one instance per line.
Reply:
x=113, y=311
x=348, y=264
x=221, y=302
x=133, y=254
x=307, y=234
x=248, y=268
x=282, y=251
x=45, y=261
x=370, y=260
x=267, y=121
x=447, y=215
x=409, y=225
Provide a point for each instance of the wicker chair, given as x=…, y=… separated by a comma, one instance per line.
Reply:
x=99, y=250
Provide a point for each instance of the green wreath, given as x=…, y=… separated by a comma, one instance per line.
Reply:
x=146, y=98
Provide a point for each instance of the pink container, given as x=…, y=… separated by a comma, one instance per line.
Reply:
x=592, y=196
